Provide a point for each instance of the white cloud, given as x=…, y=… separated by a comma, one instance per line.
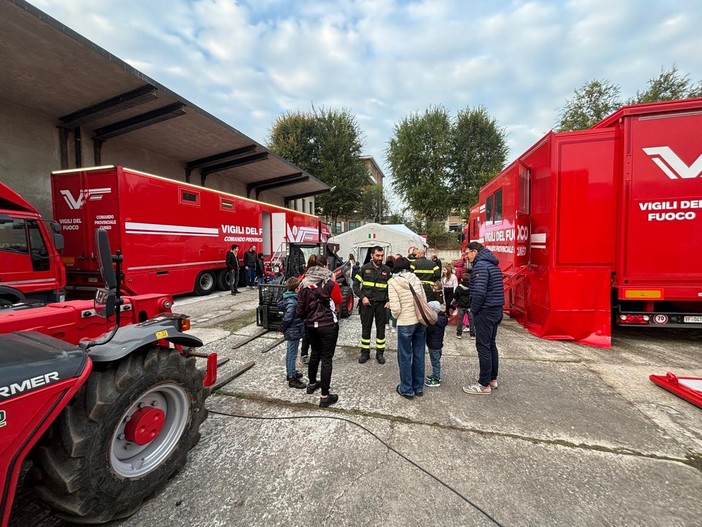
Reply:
x=249, y=61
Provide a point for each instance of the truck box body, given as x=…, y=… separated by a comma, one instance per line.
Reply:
x=173, y=235
x=30, y=265
x=602, y=222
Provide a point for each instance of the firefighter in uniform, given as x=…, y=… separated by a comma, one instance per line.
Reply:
x=371, y=287
x=412, y=254
x=426, y=270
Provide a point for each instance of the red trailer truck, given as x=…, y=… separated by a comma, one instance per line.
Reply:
x=174, y=235
x=602, y=224
x=30, y=264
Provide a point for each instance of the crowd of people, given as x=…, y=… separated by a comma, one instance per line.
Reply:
x=393, y=291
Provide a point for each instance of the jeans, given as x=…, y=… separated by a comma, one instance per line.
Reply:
x=486, y=321
x=323, y=344
x=291, y=357
x=435, y=358
x=410, y=358
x=251, y=276
x=459, y=327
x=233, y=279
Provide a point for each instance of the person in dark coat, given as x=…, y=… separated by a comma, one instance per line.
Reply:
x=293, y=328
x=435, y=343
x=250, y=259
x=260, y=276
x=461, y=299
x=487, y=298
x=232, y=262
x=319, y=301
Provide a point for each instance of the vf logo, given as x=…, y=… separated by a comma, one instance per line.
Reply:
x=674, y=167
x=92, y=194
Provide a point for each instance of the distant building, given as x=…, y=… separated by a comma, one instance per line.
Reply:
x=375, y=176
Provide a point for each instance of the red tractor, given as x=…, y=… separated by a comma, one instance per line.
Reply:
x=105, y=423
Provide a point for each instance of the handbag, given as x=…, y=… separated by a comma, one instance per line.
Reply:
x=426, y=315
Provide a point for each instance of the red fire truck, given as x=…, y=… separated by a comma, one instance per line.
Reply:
x=30, y=265
x=602, y=224
x=174, y=235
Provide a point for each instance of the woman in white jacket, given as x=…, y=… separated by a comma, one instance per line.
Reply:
x=411, y=335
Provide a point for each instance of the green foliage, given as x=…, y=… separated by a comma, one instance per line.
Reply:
x=327, y=144
x=419, y=156
x=438, y=163
x=597, y=99
x=479, y=152
x=670, y=85
x=439, y=238
x=373, y=203
x=590, y=104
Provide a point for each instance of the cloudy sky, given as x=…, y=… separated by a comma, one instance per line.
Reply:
x=247, y=62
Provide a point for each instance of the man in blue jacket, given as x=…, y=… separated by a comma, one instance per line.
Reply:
x=487, y=299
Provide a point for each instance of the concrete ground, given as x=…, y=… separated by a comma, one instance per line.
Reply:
x=574, y=436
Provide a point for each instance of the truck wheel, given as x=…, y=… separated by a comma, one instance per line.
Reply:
x=346, y=307
x=205, y=283
x=127, y=431
x=223, y=280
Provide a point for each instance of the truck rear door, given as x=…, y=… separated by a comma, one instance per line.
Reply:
x=660, y=251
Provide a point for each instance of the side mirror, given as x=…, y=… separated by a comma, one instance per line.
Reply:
x=104, y=256
x=105, y=302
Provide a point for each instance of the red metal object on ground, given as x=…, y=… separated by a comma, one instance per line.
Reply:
x=602, y=224
x=688, y=388
x=174, y=236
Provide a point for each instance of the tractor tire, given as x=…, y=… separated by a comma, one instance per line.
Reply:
x=223, y=280
x=205, y=283
x=94, y=468
x=346, y=307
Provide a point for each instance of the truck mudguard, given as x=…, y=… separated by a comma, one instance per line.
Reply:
x=136, y=336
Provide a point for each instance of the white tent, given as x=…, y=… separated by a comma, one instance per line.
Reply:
x=393, y=238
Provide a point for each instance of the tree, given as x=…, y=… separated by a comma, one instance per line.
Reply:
x=294, y=137
x=479, y=152
x=373, y=203
x=668, y=86
x=590, y=104
x=340, y=163
x=326, y=144
x=419, y=155
x=438, y=164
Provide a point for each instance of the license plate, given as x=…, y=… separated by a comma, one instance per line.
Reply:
x=692, y=320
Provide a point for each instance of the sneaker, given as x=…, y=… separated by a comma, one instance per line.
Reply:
x=472, y=337
x=326, y=402
x=493, y=384
x=312, y=387
x=405, y=395
x=298, y=375
x=432, y=381
x=305, y=359
x=477, y=389
x=419, y=394
x=296, y=383
x=458, y=336
x=393, y=330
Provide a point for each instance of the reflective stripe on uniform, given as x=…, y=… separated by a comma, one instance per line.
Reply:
x=379, y=344
x=374, y=284
x=365, y=344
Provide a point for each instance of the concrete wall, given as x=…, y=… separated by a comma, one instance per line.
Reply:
x=29, y=151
